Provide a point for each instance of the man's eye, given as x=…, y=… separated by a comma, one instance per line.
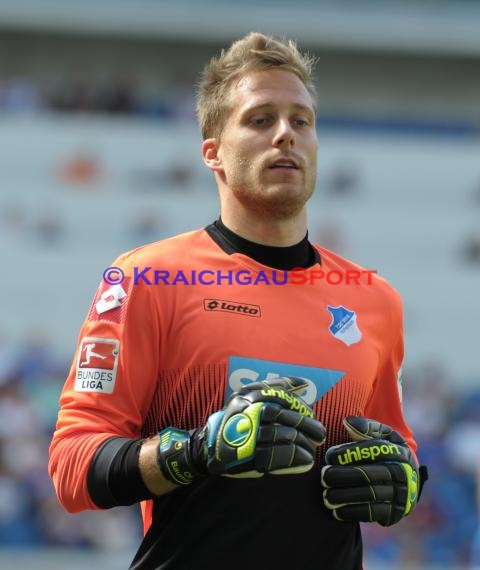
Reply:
x=302, y=122
x=259, y=121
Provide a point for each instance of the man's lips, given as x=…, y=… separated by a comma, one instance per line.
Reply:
x=284, y=164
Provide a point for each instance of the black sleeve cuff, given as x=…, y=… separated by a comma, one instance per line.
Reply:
x=114, y=477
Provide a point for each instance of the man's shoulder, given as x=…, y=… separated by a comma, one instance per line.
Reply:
x=172, y=250
x=377, y=284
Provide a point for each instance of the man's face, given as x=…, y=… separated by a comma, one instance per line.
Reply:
x=268, y=148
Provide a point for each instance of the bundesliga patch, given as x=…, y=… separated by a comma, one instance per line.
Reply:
x=110, y=302
x=344, y=325
x=97, y=365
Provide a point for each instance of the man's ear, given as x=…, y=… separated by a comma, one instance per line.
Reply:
x=211, y=155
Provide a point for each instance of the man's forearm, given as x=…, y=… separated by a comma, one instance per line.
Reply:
x=150, y=470
x=125, y=471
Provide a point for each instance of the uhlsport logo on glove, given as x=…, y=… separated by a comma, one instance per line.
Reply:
x=371, y=452
x=292, y=400
x=237, y=430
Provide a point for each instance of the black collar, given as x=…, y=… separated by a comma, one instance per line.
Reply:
x=302, y=254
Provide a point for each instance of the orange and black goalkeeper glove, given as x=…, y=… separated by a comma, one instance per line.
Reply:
x=375, y=478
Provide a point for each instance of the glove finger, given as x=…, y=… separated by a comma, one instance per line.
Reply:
x=383, y=513
x=354, y=476
x=365, y=452
x=278, y=434
x=290, y=383
x=283, y=459
x=396, y=482
x=310, y=427
x=334, y=498
x=364, y=428
x=403, y=478
x=281, y=398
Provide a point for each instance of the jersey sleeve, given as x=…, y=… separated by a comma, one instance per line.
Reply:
x=109, y=387
x=385, y=404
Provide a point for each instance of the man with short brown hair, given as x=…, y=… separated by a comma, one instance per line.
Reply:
x=212, y=398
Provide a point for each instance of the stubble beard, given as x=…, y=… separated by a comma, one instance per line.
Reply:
x=268, y=199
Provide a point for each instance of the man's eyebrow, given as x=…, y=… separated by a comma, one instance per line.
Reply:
x=260, y=106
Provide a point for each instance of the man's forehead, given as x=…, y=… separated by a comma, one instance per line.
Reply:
x=263, y=88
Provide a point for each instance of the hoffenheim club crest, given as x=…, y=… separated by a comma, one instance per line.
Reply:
x=344, y=325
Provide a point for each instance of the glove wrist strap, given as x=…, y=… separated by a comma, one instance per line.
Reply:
x=173, y=456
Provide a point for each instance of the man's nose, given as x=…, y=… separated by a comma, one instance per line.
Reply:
x=284, y=134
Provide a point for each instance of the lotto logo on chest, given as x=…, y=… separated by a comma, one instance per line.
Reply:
x=97, y=365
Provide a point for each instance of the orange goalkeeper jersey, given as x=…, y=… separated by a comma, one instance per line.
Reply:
x=193, y=320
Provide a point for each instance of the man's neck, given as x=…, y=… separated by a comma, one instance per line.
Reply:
x=267, y=231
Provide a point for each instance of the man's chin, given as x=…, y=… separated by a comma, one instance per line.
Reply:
x=280, y=201
x=284, y=203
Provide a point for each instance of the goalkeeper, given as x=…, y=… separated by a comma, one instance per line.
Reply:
x=256, y=425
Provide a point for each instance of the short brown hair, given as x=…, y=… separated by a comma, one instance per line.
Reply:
x=254, y=52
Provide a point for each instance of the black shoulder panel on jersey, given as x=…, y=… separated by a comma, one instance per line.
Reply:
x=114, y=476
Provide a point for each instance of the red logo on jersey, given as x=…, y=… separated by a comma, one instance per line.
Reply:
x=98, y=353
x=110, y=302
x=97, y=365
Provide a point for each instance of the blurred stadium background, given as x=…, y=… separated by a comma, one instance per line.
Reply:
x=99, y=152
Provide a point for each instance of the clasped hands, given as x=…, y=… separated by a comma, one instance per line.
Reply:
x=266, y=427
